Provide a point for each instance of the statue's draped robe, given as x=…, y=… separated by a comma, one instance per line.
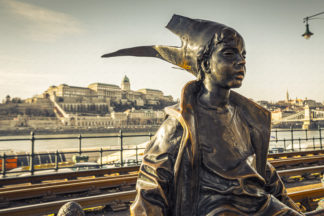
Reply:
x=171, y=179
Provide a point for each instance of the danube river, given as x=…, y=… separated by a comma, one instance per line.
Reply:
x=66, y=142
x=297, y=139
x=302, y=140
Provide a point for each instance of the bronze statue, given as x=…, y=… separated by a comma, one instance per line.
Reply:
x=209, y=157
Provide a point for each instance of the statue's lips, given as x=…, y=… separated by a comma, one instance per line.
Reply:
x=239, y=75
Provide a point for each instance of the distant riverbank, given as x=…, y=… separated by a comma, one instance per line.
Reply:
x=27, y=131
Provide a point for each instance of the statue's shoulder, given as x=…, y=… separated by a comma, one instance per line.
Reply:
x=169, y=110
x=251, y=110
x=167, y=138
x=173, y=119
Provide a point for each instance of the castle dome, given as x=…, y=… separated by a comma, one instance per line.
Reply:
x=126, y=79
x=125, y=84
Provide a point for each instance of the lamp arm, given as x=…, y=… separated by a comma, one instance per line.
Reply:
x=308, y=17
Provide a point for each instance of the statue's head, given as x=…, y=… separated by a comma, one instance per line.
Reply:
x=222, y=60
x=206, y=48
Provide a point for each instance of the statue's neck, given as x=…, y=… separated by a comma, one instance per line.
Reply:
x=214, y=95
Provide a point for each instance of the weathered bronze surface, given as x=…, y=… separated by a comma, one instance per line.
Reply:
x=209, y=157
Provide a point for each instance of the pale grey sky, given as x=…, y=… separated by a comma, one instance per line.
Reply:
x=45, y=42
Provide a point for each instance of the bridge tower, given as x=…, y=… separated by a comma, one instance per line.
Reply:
x=308, y=118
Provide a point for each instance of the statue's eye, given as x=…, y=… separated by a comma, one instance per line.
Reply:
x=228, y=53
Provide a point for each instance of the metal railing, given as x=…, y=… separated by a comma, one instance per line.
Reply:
x=296, y=140
x=292, y=140
x=59, y=156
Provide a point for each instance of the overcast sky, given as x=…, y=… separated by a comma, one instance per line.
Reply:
x=46, y=42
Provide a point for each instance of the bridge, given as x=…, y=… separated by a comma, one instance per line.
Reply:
x=307, y=116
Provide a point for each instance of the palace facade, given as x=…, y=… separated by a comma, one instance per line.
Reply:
x=109, y=94
x=105, y=105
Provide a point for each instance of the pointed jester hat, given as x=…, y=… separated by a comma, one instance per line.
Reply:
x=195, y=35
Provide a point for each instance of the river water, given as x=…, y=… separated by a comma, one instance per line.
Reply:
x=296, y=140
x=281, y=139
x=62, y=143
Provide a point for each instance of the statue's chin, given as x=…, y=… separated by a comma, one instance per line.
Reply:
x=229, y=84
x=236, y=84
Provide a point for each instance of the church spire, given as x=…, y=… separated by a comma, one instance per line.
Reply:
x=287, y=96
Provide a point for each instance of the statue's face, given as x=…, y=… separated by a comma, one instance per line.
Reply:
x=227, y=64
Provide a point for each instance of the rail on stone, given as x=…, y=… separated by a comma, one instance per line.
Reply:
x=308, y=198
x=127, y=196
x=301, y=171
x=299, y=175
x=85, y=202
x=278, y=163
x=95, y=185
x=66, y=175
x=300, y=161
x=45, y=184
x=90, y=186
x=295, y=153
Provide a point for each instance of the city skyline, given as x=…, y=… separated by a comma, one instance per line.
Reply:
x=49, y=43
x=290, y=96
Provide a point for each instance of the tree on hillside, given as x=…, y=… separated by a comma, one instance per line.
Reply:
x=7, y=99
x=16, y=100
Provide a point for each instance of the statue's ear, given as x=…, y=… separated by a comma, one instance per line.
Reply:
x=205, y=66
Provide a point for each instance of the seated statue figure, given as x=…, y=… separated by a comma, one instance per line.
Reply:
x=209, y=157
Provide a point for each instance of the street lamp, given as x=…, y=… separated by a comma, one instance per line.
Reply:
x=308, y=33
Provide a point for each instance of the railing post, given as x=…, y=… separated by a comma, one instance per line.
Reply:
x=136, y=149
x=292, y=138
x=32, y=153
x=80, y=144
x=121, y=148
x=306, y=134
x=56, y=160
x=101, y=157
x=276, y=136
x=284, y=140
x=4, y=165
x=299, y=144
x=314, y=143
x=320, y=136
x=150, y=135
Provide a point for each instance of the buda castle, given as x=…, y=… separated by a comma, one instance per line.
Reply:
x=102, y=93
x=102, y=104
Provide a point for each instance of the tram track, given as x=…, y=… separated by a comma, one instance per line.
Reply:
x=89, y=186
x=85, y=202
x=304, y=161
x=295, y=154
x=300, y=163
x=306, y=198
x=36, y=179
x=90, y=179
x=279, y=160
x=27, y=197
x=83, y=187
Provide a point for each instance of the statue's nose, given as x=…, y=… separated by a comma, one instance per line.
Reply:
x=241, y=61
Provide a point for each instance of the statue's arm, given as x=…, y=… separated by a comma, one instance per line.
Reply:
x=276, y=187
x=154, y=186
